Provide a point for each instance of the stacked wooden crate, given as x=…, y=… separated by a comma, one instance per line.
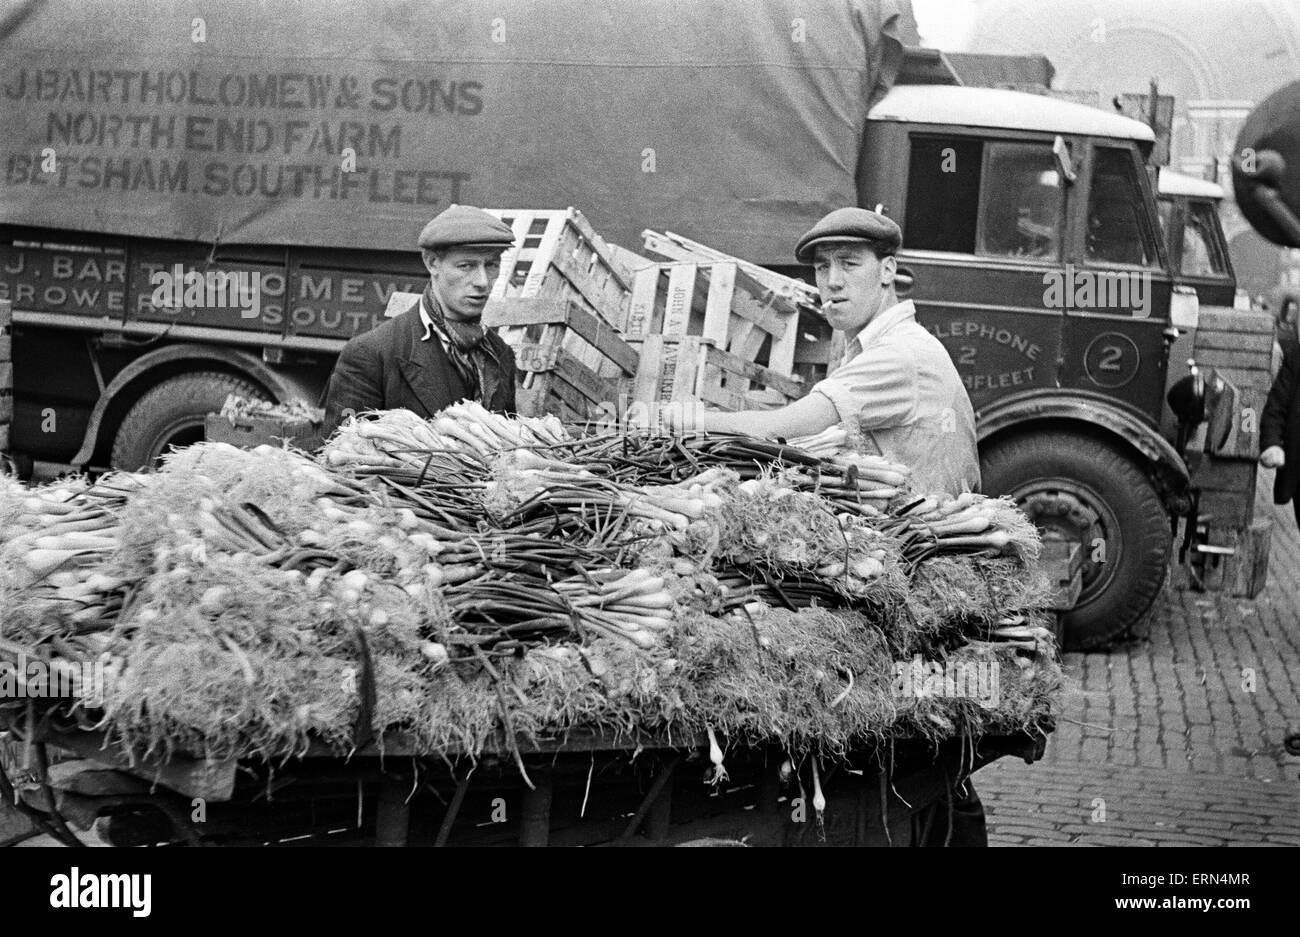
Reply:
x=6, y=373
x=560, y=302
x=712, y=328
x=1237, y=347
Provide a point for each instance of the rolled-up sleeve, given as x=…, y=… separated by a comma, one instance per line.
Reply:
x=878, y=388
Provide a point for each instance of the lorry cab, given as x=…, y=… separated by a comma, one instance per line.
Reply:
x=1193, y=236
x=1034, y=250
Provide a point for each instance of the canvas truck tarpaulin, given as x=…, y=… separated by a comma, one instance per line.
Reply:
x=350, y=124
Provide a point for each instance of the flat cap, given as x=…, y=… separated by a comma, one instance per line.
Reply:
x=849, y=224
x=465, y=226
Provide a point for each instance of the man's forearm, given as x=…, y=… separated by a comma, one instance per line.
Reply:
x=804, y=417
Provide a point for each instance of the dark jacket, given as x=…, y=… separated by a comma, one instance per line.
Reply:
x=389, y=367
x=1280, y=425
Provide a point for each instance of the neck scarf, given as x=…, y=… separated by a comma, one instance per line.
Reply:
x=465, y=342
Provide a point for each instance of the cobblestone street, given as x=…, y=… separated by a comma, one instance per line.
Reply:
x=1161, y=744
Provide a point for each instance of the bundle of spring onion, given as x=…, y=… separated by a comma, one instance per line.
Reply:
x=451, y=563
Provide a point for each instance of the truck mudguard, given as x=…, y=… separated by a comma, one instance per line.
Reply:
x=282, y=387
x=1072, y=406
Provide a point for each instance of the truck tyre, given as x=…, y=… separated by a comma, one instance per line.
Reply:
x=172, y=414
x=1098, y=496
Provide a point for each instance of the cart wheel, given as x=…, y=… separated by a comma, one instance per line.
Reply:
x=1292, y=743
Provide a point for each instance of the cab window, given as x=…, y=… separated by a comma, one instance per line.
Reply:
x=1020, y=212
x=994, y=199
x=1116, y=233
x=1202, y=254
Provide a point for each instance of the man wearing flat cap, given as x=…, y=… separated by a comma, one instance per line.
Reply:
x=436, y=352
x=899, y=387
x=896, y=383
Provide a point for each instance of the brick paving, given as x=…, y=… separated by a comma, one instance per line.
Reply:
x=1165, y=741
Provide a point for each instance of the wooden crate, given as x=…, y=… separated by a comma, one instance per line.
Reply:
x=686, y=299
x=1227, y=490
x=555, y=380
x=1236, y=561
x=6, y=313
x=785, y=289
x=6, y=406
x=560, y=261
x=251, y=431
x=692, y=368
x=6, y=346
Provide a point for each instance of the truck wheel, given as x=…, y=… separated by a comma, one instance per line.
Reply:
x=172, y=414
x=1095, y=495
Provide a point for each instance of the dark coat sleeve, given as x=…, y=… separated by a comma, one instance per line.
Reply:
x=1272, y=429
x=508, y=378
x=355, y=385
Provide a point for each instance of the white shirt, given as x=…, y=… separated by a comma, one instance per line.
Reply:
x=429, y=328
x=898, y=383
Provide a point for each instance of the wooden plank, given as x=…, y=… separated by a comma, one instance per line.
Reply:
x=598, y=244
x=1206, y=341
x=781, y=357
x=596, y=282
x=665, y=247
x=688, y=371
x=520, y=311
x=677, y=306
x=760, y=313
x=545, y=251
x=645, y=388
x=1234, y=320
x=6, y=375
x=717, y=312
x=519, y=225
x=789, y=386
x=641, y=308
x=1245, y=360
x=796, y=291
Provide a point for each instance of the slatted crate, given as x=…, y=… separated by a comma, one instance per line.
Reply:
x=1238, y=345
x=692, y=368
x=558, y=261
x=1227, y=489
x=554, y=379
x=1236, y=561
x=817, y=349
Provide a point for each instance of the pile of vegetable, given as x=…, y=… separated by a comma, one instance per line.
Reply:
x=472, y=580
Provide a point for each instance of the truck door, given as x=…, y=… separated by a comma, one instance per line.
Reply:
x=1198, y=253
x=983, y=224
x=1114, y=291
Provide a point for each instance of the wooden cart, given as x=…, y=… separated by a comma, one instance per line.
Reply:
x=582, y=789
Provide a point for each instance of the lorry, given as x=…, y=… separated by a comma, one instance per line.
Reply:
x=1032, y=229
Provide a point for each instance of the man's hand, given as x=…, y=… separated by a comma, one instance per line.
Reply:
x=1273, y=457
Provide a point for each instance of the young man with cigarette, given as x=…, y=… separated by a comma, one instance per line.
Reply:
x=898, y=385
